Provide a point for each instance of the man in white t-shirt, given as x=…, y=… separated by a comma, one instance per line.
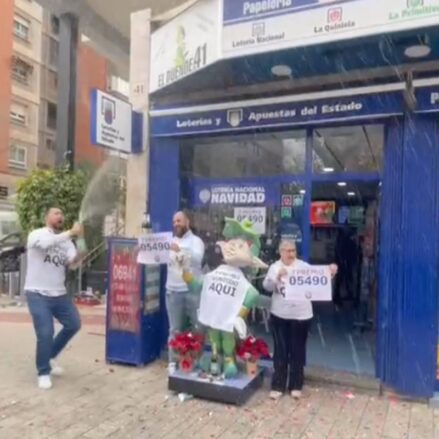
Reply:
x=180, y=303
x=49, y=253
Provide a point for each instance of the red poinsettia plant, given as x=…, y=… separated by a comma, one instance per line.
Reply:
x=189, y=347
x=187, y=344
x=252, y=349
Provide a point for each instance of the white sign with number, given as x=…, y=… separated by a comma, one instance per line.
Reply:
x=155, y=248
x=257, y=215
x=308, y=283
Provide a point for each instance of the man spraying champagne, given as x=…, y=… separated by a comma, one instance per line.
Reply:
x=50, y=251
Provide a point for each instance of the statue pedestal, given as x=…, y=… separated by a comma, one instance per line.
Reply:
x=230, y=391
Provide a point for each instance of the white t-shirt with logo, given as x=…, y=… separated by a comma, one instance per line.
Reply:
x=281, y=307
x=48, y=255
x=222, y=297
x=193, y=247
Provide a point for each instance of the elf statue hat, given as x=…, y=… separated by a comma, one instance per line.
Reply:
x=234, y=229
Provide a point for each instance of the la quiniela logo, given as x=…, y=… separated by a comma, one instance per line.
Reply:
x=108, y=110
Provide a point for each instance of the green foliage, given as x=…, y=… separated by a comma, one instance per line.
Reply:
x=43, y=189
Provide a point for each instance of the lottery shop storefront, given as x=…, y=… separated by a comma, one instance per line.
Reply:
x=349, y=173
x=344, y=190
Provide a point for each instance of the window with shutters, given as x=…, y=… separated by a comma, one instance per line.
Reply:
x=18, y=156
x=19, y=114
x=21, y=28
x=21, y=71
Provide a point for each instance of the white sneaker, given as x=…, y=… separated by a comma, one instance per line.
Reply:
x=44, y=382
x=296, y=394
x=275, y=395
x=57, y=370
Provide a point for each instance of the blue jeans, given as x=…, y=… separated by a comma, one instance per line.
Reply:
x=43, y=310
x=180, y=305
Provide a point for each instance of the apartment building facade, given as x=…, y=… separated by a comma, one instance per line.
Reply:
x=23, y=20
x=29, y=92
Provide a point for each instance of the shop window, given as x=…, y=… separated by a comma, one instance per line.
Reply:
x=19, y=114
x=51, y=115
x=247, y=156
x=348, y=149
x=21, y=71
x=17, y=157
x=21, y=28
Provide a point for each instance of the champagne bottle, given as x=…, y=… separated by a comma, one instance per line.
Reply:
x=82, y=245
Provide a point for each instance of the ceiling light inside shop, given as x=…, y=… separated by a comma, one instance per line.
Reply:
x=341, y=183
x=281, y=70
x=302, y=191
x=419, y=50
x=351, y=194
x=328, y=169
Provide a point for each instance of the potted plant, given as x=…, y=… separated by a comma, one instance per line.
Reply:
x=250, y=351
x=188, y=346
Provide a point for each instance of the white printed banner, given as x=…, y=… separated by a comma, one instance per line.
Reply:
x=154, y=248
x=257, y=26
x=257, y=215
x=310, y=283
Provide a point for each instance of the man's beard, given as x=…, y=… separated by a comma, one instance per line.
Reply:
x=180, y=231
x=58, y=227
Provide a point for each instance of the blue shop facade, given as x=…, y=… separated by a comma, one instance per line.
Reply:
x=338, y=152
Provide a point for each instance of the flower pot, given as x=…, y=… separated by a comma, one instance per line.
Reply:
x=186, y=364
x=251, y=368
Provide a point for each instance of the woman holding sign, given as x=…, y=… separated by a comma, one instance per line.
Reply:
x=290, y=321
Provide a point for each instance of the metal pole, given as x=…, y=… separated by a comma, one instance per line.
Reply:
x=66, y=110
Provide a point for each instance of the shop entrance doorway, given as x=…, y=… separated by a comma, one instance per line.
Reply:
x=344, y=221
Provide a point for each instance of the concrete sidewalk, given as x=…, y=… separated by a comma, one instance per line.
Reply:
x=95, y=400
x=12, y=311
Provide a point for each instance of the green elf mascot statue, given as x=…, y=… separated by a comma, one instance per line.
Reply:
x=226, y=294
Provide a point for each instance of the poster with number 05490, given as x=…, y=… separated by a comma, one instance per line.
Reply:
x=154, y=248
x=310, y=283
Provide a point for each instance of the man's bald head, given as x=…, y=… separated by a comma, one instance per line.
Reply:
x=181, y=224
